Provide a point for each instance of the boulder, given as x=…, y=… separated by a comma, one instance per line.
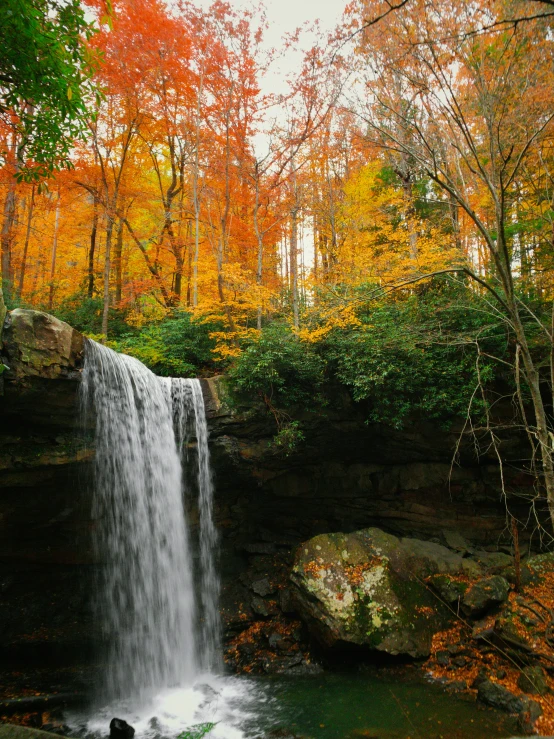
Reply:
x=454, y=540
x=533, y=680
x=367, y=589
x=495, y=561
x=496, y=695
x=120, y=729
x=40, y=345
x=450, y=590
x=485, y=594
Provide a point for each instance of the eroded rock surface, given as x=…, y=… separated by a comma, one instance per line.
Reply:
x=367, y=589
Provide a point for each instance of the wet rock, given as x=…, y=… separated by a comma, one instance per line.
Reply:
x=306, y=669
x=532, y=680
x=120, y=729
x=280, y=665
x=485, y=594
x=497, y=696
x=454, y=540
x=451, y=591
x=247, y=651
x=263, y=607
x=285, y=601
x=442, y=658
x=366, y=589
x=262, y=587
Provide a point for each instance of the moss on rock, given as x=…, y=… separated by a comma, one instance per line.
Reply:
x=367, y=589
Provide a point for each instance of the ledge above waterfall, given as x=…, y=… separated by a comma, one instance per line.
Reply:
x=44, y=357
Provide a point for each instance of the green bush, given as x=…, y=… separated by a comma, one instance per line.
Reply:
x=279, y=368
x=419, y=356
x=178, y=346
x=85, y=315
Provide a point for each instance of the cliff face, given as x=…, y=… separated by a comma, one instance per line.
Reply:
x=45, y=518
x=346, y=476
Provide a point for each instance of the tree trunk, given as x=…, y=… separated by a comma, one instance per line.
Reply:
x=294, y=265
x=92, y=250
x=6, y=240
x=259, y=238
x=117, y=262
x=54, y=255
x=107, y=269
x=26, y=246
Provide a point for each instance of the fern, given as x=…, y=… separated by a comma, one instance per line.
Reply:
x=197, y=731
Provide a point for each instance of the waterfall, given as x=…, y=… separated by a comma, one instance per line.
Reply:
x=159, y=637
x=189, y=414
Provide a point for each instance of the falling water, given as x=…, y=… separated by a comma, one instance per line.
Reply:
x=190, y=421
x=146, y=602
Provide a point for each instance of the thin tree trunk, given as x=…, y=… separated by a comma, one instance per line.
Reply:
x=107, y=269
x=54, y=255
x=92, y=250
x=117, y=262
x=6, y=240
x=195, y=198
x=294, y=264
x=259, y=238
x=26, y=246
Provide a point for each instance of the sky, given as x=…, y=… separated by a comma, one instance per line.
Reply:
x=285, y=16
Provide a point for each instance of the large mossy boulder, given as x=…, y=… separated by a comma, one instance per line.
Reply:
x=43, y=356
x=367, y=589
x=39, y=345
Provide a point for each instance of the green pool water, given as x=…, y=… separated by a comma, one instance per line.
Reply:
x=374, y=706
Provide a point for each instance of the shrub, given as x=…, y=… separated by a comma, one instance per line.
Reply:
x=178, y=346
x=279, y=368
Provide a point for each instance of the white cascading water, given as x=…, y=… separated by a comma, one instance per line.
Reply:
x=164, y=656
x=189, y=414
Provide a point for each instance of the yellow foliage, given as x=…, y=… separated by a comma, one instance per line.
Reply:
x=384, y=240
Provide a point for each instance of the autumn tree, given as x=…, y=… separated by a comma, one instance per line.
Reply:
x=479, y=112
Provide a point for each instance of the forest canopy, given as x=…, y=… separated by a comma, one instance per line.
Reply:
x=386, y=222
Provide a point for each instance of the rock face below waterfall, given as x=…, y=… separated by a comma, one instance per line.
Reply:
x=366, y=589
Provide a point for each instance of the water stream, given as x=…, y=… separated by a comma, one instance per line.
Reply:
x=157, y=600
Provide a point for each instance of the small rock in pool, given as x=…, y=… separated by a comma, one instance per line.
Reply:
x=120, y=729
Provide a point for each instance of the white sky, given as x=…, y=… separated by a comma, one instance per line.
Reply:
x=285, y=16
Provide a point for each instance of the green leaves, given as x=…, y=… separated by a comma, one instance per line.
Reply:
x=279, y=366
x=198, y=731
x=176, y=347
x=45, y=81
x=419, y=356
